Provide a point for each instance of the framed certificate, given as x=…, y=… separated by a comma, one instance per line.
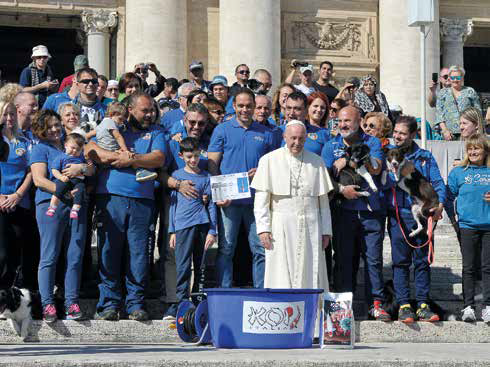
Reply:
x=230, y=187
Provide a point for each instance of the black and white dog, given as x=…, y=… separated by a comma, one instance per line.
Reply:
x=355, y=171
x=17, y=306
x=410, y=180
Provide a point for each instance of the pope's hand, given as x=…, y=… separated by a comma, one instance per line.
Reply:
x=266, y=240
x=339, y=165
x=223, y=203
x=350, y=192
x=251, y=173
x=325, y=240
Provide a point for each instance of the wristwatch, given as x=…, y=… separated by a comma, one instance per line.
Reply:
x=177, y=185
x=83, y=171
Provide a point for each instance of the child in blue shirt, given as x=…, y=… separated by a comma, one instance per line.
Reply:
x=73, y=155
x=192, y=222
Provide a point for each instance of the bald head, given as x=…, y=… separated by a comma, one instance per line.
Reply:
x=349, y=121
x=27, y=106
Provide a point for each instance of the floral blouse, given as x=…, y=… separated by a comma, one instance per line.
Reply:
x=449, y=112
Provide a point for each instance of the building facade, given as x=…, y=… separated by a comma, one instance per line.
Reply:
x=358, y=36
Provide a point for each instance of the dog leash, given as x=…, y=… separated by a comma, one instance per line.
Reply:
x=430, y=231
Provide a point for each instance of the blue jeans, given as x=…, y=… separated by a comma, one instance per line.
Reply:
x=229, y=224
x=356, y=234
x=121, y=222
x=57, y=232
x=403, y=255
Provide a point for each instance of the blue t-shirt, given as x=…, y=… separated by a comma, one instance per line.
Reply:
x=316, y=138
x=122, y=181
x=63, y=160
x=335, y=149
x=169, y=119
x=175, y=162
x=468, y=186
x=241, y=148
x=184, y=212
x=55, y=100
x=44, y=153
x=14, y=170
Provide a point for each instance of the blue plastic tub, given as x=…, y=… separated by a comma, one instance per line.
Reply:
x=262, y=318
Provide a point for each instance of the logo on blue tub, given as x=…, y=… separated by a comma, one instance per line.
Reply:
x=273, y=317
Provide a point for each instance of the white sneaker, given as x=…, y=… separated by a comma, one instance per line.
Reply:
x=468, y=314
x=485, y=314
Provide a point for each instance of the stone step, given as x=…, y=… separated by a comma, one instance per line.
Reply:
x=162, y=332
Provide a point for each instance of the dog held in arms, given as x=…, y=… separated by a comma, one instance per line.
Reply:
x=355, y=171
x=410, y=180
x=18, y=306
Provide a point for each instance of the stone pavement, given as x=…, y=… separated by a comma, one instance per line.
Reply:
x=168, y=355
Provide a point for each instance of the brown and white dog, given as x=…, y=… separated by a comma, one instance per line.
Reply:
x=410, y=180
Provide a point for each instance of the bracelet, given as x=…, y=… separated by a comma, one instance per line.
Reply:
x=341, y=188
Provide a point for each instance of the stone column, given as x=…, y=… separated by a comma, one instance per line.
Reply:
x=250, y=33
x=98, y=25
x=156, y=31
x=400, y=56
x=454, y=32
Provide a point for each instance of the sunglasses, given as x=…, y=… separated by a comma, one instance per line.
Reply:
x=334, y=109
x=94, y=81
x=112, y=89
x=244, y=72
x=218, y=112
x=456, y=77
x=198, y=123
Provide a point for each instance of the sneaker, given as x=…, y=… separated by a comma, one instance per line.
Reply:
x=51, y=211
x=107, y=315
x=485, y=314
x=139, y=315
x=49, y=313
x=406, y=314
x=74, y=214
x=468, y=314
x=74, y=312
x=171, y=313
x=378, y=313
x=143, y=175
x=425, y=314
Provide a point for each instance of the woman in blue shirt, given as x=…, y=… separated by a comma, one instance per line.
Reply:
x=19, y=239
x=469, y=183
x=47, y=128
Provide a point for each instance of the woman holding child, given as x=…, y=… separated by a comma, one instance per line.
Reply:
x=47, y=128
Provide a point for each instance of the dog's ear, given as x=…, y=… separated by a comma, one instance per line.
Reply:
x=404, y=150
x=385, y=150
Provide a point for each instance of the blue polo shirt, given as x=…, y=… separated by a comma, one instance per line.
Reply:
x=43, y=152
x=241, y=148
x=316, y=138
x=167, y=121
x=175, y=162
x=184, y=212
x=122, y=181
x=63, y=160
x=14, y=170
x=335, y=149
x=54, y=101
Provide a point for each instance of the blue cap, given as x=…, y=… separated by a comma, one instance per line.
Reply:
x=219, y=79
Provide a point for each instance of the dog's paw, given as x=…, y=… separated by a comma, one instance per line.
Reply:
x=413, y=233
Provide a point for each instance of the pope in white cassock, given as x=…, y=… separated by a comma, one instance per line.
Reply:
x=292, y=213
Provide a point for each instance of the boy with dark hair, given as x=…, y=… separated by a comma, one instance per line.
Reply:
x=192, y=222
x=73, y=155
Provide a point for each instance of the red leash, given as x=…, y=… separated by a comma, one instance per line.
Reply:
x=430, y=229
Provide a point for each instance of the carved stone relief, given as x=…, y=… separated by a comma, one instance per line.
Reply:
x=327, y=36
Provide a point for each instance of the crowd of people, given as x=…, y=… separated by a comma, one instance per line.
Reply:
x=116, y=156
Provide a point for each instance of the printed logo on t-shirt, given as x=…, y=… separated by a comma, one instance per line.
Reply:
x=258, y=138
x=20, y=152
x=477, y=179
x=313, y=136
x=147, y=136
x=204, y=154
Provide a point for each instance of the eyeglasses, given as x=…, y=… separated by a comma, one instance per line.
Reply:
x=87, y=81
x=198, y=123
x=41, y=57
x=445, y=76
x=371, y=126
x=244, y=72
x=455, y=77
x=218, y=112
x=112, y=89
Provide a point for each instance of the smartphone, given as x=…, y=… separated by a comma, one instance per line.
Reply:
x=435, y=77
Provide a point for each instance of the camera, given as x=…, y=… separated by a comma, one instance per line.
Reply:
x=254, y=85
x=170, y=103
x=297, y=63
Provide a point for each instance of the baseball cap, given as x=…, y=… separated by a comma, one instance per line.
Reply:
x=40, y=50
x=196, y=65
x=80, y=62
x=112, y=84
x=219, y=79
x=306, y=68
x=355, y=81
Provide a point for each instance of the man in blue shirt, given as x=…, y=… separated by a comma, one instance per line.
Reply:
x=358, y=229
x=26, y=105
x=125, y=208
x=236, y=146
x=403, y=255
x=171, y=117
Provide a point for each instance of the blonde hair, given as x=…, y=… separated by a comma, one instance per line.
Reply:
x=384, y=121
x=9, y=91
x=117, y=108
x=64, y=106
x=4, y=104
x=457, y=69
x=474, y=115
x=478, y=141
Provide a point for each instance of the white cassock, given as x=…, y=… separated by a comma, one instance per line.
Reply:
x=291, y=202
